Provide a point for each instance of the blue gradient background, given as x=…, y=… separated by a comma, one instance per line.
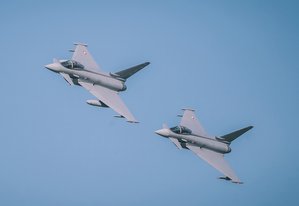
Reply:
x=234, y=62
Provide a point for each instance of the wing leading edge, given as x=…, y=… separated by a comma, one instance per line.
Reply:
x=110, y=98
x=82, y=55
x=216, y=160
x=190, y=121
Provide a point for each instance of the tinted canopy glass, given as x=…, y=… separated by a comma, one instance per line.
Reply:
x=72, y=64
x=181, y=130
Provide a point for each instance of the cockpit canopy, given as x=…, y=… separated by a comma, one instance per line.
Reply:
x=181, y=130
x=72, y=64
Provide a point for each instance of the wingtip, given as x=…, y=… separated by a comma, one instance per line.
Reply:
x=79, y=43
x=238, y=182
x=134, y=121
x=188, y=109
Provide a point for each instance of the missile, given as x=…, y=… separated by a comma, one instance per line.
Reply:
x=95, y=102
x=225, y=178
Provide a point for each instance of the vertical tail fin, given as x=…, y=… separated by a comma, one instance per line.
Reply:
x=125, y=74
x=234, y=135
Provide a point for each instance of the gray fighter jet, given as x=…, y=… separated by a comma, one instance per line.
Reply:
x=189, y=134
x=83, y=71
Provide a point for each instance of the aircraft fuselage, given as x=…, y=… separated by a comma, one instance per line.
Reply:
x=203, y=142
x=104, y=80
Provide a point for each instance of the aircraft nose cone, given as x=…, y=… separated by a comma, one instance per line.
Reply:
x=162, y=132
x=52, y=67
x=48, y=66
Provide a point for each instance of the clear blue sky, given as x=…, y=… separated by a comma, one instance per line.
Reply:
x=234, y=62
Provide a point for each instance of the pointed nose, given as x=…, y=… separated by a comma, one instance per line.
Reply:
x=53, y=67
x=163, y=132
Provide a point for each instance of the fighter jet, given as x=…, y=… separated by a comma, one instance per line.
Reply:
x=189, y=134
x=83, y=71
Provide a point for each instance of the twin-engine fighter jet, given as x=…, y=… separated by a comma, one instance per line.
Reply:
x=83, y=71
x=189, y=134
